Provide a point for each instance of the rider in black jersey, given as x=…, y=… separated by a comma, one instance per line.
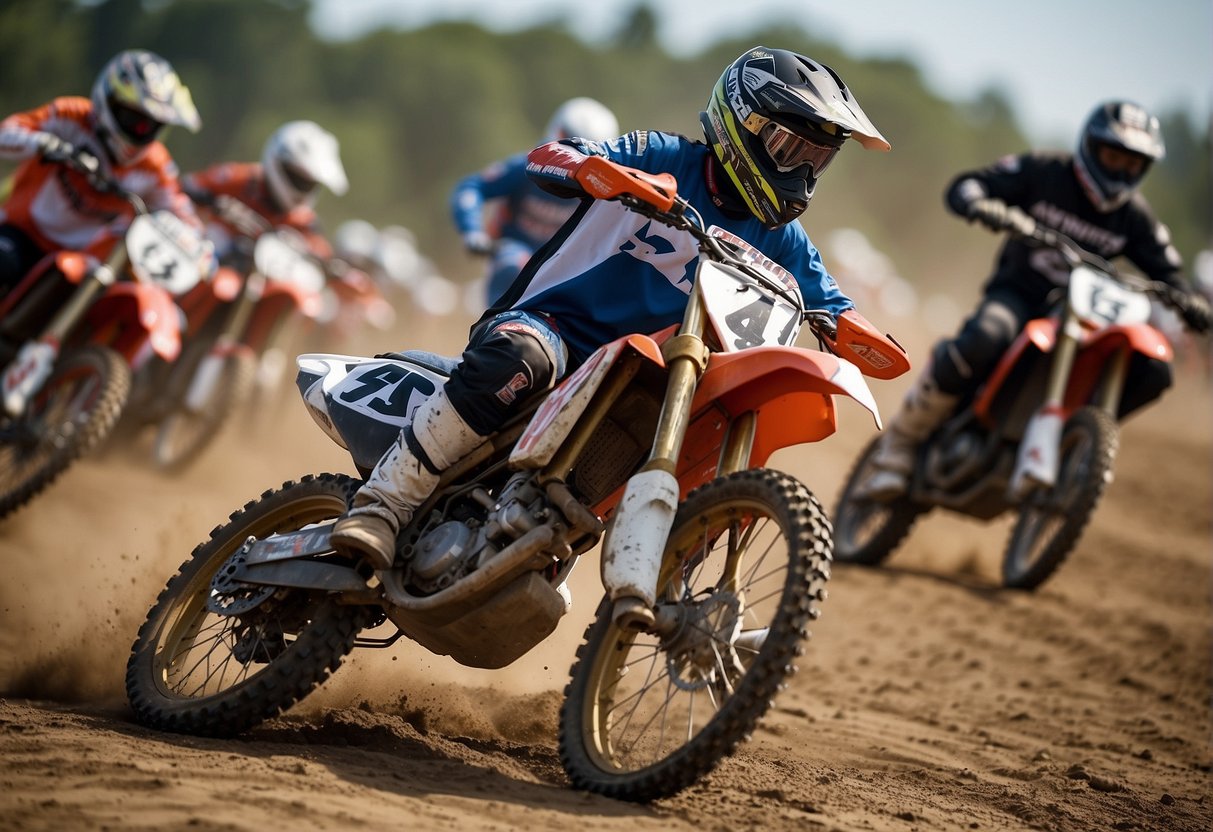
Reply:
x=1090, y=196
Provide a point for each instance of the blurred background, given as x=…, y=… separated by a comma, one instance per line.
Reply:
x=421, y=92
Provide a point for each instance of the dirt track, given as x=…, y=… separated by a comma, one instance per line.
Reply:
x=927, y=700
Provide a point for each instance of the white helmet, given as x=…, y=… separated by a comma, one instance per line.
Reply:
x=357, y=242
x=584, y=118
x=299, y=156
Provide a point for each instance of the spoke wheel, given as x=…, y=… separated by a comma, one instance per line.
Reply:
x=745, y=568
x=1051, y=520
x=187, y=431
x=216, y=657
x=77, y=407
x=868, y=531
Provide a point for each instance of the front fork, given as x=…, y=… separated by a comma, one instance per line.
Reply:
x=633, y=548
x=32, y=366
x=202, y=381
x=1038, y=460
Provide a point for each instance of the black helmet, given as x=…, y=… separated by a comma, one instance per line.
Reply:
x=775, y=121
x=1123, y=126
x=136, y=96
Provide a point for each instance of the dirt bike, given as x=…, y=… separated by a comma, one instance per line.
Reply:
x=664, y=437
x=1039, y=438
x=74, y=330
x=232, y=319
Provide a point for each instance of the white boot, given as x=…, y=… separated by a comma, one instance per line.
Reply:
x=401, y=481
x=924, y=408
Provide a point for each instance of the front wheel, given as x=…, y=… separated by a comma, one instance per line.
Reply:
x=867, y=531
x=216, y=657
x=185, y=433
x=1052, y=519
x=75, y=410
x=743, y=571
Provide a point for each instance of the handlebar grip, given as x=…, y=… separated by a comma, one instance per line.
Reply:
x=603, y=179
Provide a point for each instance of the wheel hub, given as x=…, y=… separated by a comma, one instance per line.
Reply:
x=702, y=651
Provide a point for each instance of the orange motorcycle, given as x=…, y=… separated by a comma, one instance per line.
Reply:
x=656, y=446
x=1039, y=438
x=73, y=332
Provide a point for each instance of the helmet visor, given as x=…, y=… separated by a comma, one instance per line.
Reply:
x=137, y=127
x=790, y=150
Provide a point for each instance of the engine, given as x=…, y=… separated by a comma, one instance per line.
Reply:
x=466, y=539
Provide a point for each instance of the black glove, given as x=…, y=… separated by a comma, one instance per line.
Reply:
x=992, y=213
x=1194, y=309
x=998, y=216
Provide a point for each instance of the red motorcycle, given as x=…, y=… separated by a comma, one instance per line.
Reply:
x=74, y=330
x=233, y=321
x=1039, y=438
x=713, y=563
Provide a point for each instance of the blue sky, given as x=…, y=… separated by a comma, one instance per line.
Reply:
x=1054, y=58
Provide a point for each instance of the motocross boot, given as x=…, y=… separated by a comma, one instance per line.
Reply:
x=924, y=408
x=402, y=480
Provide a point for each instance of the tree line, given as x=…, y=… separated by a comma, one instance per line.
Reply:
x=415, y=110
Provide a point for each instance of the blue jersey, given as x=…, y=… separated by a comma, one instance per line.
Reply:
x=610, y=272
x=526, y=213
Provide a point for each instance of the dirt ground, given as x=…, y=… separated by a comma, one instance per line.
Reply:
x=928, y=699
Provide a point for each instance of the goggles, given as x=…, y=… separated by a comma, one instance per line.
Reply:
x=790, y=150
x=138, y=127
x=299, y=179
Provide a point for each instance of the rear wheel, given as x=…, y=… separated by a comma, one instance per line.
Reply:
x=216, y=657
x=744, y=569
x=1052, y=519
x=75, y=409
x=867, y=531
x=186, y=432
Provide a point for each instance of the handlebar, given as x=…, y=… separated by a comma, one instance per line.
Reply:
x=1024, y=226
x=89, y=167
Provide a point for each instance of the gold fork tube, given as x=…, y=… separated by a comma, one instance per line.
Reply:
x=686, y=357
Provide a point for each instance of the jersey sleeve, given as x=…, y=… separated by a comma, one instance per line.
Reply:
x=1149, y=245
x=23, y=135
x=498, y=180
x=817, y=286
x=1006, y=179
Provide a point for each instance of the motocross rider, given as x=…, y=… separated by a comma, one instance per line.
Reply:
x=773, y=123
x=526, y=216
x=117, y=132
x=298, y=158
x=1090, y=196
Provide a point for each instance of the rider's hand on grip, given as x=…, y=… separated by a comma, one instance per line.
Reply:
x=54, y=149
x=478, y=243
x=1195, y=311
x=603, y=179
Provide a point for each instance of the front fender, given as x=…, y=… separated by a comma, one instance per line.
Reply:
x=790, y=389
x=133, y=317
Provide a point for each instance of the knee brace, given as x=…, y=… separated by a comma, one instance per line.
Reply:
x=960, y=364
x=497, y=375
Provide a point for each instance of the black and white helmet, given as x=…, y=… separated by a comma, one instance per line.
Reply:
x=135, y=98
x=299, y=157
x=775, y=120
x=1123, y=126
